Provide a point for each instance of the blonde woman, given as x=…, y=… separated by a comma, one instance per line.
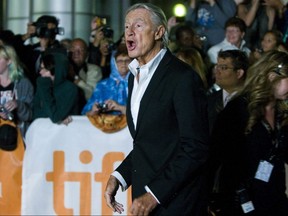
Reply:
x=16, y=91
x=250, y=141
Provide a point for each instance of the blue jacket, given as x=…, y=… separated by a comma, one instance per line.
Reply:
x=114, y=87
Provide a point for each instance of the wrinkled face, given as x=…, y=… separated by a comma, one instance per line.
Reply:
x=141, y=36
x=122, y=62
x=225, y=75
x=281, y=89
x=234, y=35
x=79, y=52
x=269, y=42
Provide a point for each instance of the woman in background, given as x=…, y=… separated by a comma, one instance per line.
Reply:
x=250, y=142
x=272, y=40
x=112, y=92
x=55, y=97
x=16, y=91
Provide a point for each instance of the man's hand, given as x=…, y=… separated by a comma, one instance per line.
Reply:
x=143, y=205
x=110, y=192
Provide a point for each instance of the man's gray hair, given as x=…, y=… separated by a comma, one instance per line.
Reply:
x=157, y=16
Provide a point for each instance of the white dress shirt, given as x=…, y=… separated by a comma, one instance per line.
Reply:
x=227, y=97
x=146, y=73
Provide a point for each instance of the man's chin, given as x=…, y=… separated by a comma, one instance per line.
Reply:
x=132, y=54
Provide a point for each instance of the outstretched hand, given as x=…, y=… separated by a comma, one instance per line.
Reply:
x=109, y=195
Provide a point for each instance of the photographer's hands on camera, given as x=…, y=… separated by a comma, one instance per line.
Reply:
x=31, y=30
x=107, y=106
x=98, y=36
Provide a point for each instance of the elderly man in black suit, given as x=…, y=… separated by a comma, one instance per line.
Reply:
x=167, y=118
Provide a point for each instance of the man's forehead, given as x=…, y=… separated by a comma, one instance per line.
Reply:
x=139, y=13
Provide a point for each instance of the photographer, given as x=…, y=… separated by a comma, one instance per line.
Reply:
x=101, y=45
x=110, y=94
x=45, y=29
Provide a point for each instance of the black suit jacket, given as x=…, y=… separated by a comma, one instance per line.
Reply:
x=239, y=155
x=170, y=141
x=215, y=105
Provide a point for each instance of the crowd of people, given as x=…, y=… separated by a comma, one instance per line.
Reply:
x=206, y=101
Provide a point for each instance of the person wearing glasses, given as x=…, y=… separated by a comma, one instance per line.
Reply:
x=235, y=29
x=111, y=92
x=230, y=73
x=250, y=142
x=85, y=75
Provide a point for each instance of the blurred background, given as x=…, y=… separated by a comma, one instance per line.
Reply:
x=74, y=15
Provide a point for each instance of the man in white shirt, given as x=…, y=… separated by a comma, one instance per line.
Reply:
x=167, y=118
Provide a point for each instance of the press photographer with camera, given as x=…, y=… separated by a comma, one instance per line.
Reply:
x=45, y=28
x=101, y=45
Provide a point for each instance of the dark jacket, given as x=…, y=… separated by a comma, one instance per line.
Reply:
x=240, y=154
x=25, y=93
x=170, y=140
x=215, y=105
x=56, y=100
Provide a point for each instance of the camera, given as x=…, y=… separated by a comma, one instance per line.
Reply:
x=9, y=115
x=43, y=31
x=111, y=47
x=102, y=107
x=107, y=31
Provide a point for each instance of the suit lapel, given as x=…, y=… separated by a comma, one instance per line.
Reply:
x=154, y=83
x=128, y=107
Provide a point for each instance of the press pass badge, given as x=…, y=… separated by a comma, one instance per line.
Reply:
x=264, y=171
x=246, y=204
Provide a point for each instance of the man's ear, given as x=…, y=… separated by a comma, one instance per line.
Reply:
x=240, y=73
x=159, y=32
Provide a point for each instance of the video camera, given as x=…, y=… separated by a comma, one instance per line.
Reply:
x=42, y=29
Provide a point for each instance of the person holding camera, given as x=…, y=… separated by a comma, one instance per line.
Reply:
x=101, y=46
x=110, y=94
x=45, y=29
